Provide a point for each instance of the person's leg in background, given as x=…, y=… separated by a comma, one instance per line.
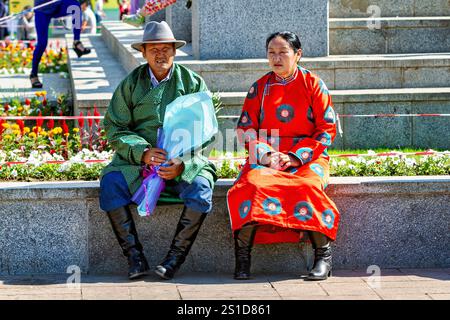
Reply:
x=72, y=7
x=42, y=22
x=137, y=18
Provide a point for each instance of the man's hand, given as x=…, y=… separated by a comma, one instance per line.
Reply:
x=154, y=156
x=175, y=169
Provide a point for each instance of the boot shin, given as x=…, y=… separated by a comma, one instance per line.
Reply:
x=243, y=244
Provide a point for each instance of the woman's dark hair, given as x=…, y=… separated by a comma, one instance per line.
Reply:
x=290, y=37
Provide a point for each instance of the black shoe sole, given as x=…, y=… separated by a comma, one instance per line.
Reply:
x=36, y=85
x=162, y=274
x=80, y=53
x=135, y=276
x=313, y=278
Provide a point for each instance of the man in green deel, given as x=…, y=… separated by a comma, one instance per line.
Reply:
x=135, y=113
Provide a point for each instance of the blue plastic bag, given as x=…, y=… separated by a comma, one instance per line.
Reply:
x=189, y=123
x=148, y=193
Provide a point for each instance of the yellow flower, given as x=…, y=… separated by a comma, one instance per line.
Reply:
x=32, y=135
x=57, y=130
x=5, y=125
x=16, y=132
x=75, y=130
x=43, y=133
x=66, y=134
x=20, y=109
x=26, y=129
x=7, y=136
x=15, y=126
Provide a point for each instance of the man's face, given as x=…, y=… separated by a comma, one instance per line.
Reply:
x=159, y=56
x=84, y=7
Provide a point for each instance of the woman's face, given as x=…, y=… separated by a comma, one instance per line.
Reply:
x=282, y=58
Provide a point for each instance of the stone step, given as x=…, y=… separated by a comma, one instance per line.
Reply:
x=338, y=71
x=18, y=86
x=417, y=132
x=389, y=35
x=388, y=8
x=95, y=76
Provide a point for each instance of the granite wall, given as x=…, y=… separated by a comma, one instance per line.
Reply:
x=389, y=222
x=238, y=29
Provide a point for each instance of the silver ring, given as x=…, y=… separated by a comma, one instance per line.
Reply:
x=152, y=158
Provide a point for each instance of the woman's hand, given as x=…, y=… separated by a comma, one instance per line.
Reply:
x=280, y=161
x=288, y=160
x=175, y=169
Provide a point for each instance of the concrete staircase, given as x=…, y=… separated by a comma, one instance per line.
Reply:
x=94, y=77
x=405, y=70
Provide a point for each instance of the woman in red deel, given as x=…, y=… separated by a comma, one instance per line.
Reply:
x=287, y=124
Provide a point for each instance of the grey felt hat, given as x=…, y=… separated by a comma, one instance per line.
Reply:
x=157, y=32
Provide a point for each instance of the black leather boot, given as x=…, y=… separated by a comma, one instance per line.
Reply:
x=35, y=83
x=125, y=230
x=185, y=234
x=80, y=49
x=322, y=256
x=243, y=243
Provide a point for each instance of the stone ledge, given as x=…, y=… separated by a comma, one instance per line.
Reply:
x=389, y=8
x=404, y=22
x=363, y=95
x=48, y=226
x=337, y=186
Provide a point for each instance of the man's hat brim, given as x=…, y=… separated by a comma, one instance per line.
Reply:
x=139, y=45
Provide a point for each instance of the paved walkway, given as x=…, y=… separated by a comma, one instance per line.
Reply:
x=393, y=284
